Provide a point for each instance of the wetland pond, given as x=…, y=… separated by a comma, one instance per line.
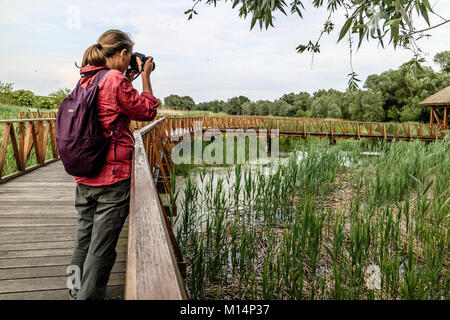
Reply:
x=355, y=220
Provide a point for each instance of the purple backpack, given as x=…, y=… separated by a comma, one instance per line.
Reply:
x=81, y=144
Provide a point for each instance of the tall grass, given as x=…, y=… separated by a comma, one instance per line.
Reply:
x=248, y=234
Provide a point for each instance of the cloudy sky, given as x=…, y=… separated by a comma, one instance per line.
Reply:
x=212, y=56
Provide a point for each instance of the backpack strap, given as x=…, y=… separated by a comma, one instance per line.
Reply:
x=91, y=73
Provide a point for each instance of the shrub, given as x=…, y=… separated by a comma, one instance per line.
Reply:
x=303, y=114
x=59, y=95
x=5, y=92
x=47, y=103
x=24, y=98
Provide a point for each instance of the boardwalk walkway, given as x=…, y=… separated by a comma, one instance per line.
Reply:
x=37, y=232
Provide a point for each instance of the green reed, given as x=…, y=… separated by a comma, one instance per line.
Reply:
x=255, y=234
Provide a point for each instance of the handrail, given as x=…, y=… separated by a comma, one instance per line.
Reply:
x=315, y=127
x=152, y=271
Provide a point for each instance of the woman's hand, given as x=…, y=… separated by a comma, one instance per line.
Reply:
x=148, y=66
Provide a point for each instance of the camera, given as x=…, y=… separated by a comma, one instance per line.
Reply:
x=134, y=67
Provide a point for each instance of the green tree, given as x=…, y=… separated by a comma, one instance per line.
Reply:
x=303, y=114
x=263, y=107
x=59, y=95
x=327, y=104
x=302, y=101
x=173, y=102
x=334, y=111
x=203, y=106
x=280, y=108
x=23, y=98
x=179, y=103
x=187, y=103
x=6, y=87
x=289, y=98
x=47, y=103
x=234, y=105
x=249, y=108
x=366, y=105
x=443, y=60
x=218, y=106
x=402, y=92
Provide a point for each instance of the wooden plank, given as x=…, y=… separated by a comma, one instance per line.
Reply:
x=37, y=230
x=44, y=238
x=48, y=283
x=31, y=230
x=46, y=245
x=49, y=271
x=27, y=170
x=45, y=261
x=12, y=254
x=112, y=292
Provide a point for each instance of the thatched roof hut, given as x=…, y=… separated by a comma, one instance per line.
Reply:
x=439, y=100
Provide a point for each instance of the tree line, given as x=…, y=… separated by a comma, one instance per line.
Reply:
x=393, y=95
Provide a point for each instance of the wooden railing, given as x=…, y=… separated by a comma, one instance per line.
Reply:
x=338, y=128
x=36, y=114
x=152, y=264
x=20, y=138
x=315, y=127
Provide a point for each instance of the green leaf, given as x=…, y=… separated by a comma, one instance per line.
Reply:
x=254, y=18
x=427, y=5
x=345, y=28
x=424, y=12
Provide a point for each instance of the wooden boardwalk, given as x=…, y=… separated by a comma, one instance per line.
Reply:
x=37, y=233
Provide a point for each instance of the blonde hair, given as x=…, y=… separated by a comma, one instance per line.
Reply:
x=107, y=45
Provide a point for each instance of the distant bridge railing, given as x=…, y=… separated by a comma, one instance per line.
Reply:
x=23, y=137
x=26, y=144
x=335, y=129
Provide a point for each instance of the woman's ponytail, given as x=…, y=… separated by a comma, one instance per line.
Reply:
x=108, y=44
x=94, y=56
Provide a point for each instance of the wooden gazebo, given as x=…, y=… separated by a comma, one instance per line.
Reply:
x=439, y=100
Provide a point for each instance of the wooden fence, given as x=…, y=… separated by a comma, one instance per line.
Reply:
x=335, y=129
x=20, y=138
x=41, y=131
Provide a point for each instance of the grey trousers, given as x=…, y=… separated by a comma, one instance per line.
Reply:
x=102, y=211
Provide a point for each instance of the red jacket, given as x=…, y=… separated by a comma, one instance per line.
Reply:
x=117, y=97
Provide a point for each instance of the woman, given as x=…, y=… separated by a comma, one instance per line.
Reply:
x=102, y=201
